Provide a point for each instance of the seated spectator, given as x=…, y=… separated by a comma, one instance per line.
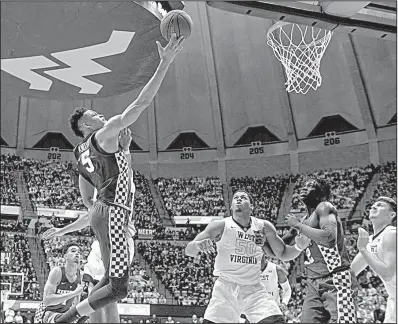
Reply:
x=9, y=189
x=17, y=261
x=193, y=196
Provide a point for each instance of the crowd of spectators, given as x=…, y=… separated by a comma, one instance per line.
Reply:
x=12, y=316
x=193, y=196
x=16, y=260
x=189, y=279
x=145, y=212
x=9, y=188
x=347, y=186
x=50, y=185
x=267, y=193
x=8, y=225
x=182, y=234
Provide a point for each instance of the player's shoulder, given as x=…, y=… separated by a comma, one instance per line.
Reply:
x=55, y=274
x=390, y=234
x=325, y=208
x=217, y=223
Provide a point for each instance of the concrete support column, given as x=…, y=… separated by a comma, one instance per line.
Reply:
x=294, y=162
x=22, y=119
x=374, y=152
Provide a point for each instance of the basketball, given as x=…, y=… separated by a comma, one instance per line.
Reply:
x=178, y=22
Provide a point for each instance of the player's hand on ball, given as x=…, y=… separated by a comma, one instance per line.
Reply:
x=292, y=221
x=363, y=239
x=302, y=241
x=205, y=245
x=125, y=139
x=51, y=233
x=169, y=52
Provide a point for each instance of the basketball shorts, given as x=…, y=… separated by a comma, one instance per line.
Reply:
x=391, y=311
x=329, y=300
x=109, y=226
x=230, y=300
x=50, y=317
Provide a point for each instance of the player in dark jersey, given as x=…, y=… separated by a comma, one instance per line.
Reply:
x=63, y=287
x=330, y=284
x=104, y=166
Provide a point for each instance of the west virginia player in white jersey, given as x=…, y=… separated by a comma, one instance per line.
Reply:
x=272, y=275
x=240, y=240
x=379, y=251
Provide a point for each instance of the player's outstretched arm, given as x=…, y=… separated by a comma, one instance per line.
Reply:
x=327, y=234
x=203, y=242
x=82, y=222
x=49, y=295
x=387, y=269
x=115, y=124
x=276, y=245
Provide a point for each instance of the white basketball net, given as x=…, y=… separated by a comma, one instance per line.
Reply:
x=300, y=53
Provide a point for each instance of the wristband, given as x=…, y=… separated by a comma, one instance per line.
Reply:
x=298, y=248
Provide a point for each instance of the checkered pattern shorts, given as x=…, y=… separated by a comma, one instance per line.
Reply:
x=39, y=313
x=345, y=301
x=118, y=218
x=331, y=256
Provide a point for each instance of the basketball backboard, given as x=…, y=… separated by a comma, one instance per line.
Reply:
x=369, y=18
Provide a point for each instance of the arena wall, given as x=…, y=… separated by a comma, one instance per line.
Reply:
x=334, y=158
x=9, y=118
x=388, y=150
x=187, y=170
x=260, y=167
x=377, y=60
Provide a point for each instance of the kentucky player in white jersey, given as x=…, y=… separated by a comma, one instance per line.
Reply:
x=240, y=241
x=272, y=275
x=379, y=251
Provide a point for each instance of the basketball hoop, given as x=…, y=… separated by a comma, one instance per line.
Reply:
x=300, y=50
x=6, y=303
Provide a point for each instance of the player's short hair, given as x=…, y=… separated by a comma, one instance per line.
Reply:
x=322, y=185
x=74, y=120
x=246, y=192
x=67, y=246
x=390, y=201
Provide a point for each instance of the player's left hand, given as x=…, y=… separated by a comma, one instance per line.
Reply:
x=125, y=139
x=292, y=221
x=259, y=238
x=363, y=239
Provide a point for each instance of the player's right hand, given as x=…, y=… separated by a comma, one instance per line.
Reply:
x=169, y=52
x=302, y=241
x=205, y=245
x=51, y=233
x=78, y=290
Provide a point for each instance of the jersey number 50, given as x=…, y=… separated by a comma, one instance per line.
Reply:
x=86, y=161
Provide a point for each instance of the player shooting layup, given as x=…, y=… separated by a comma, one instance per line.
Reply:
x=104, y=166
x=240, y=241
x=379, y=251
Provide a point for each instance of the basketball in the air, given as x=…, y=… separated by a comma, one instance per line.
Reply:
x=178, y=22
